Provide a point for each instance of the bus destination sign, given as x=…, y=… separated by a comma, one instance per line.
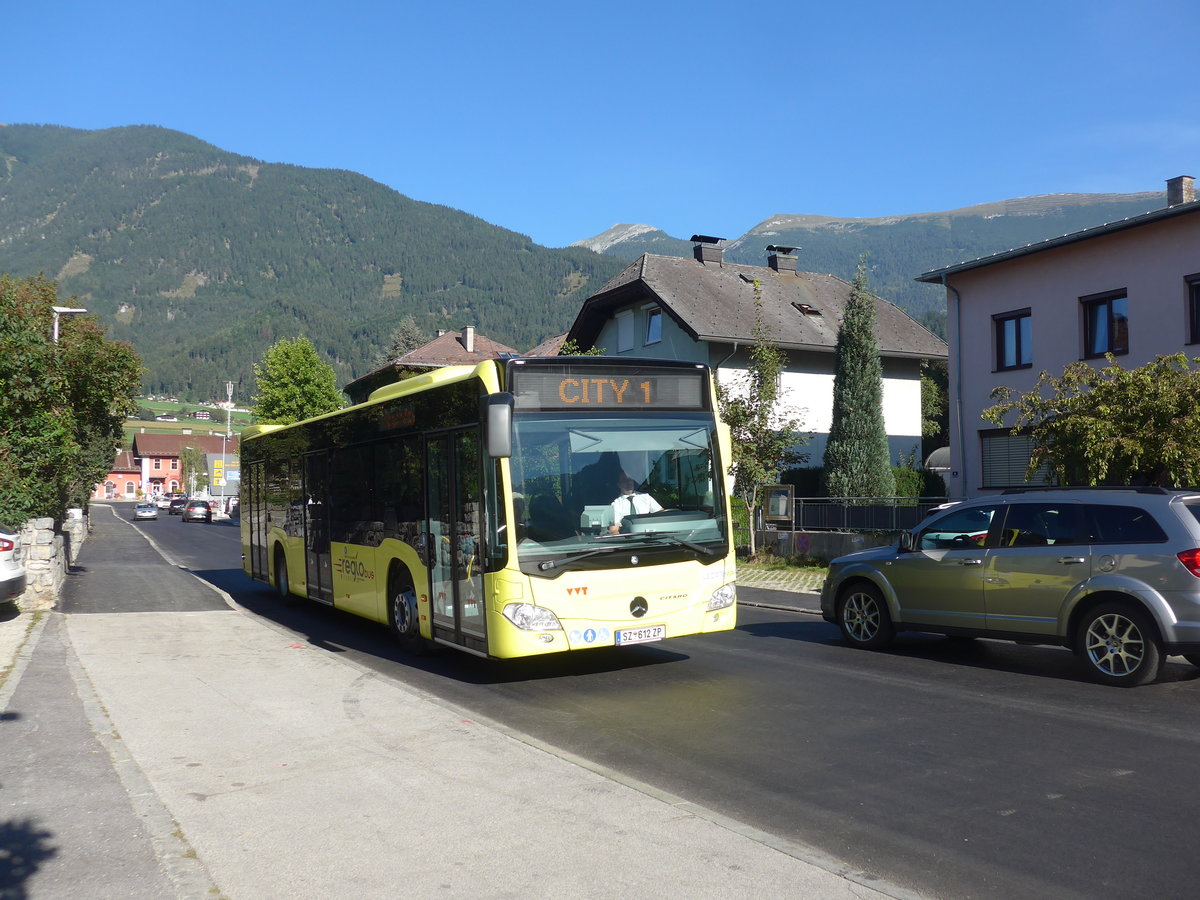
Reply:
x=596, y=389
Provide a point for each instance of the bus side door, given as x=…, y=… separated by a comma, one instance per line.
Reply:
x=316, y=527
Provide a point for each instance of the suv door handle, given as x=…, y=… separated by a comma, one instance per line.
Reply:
x=1071, y=560
x=972, y=561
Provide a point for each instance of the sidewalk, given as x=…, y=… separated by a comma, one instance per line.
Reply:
x=206, y=753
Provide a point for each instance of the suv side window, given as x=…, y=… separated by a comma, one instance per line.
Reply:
x=1041, y=525
x=957, y=530
x=1122, y=525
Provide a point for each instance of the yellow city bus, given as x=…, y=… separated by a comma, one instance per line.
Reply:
x=476, y=506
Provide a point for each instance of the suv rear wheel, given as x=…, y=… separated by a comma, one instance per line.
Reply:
x=863, y=617
x=1120, y=645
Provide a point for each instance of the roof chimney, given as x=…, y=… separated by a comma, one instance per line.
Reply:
x=468, y=338
x=705, y=249
x=1181, y=189
x=781, y=259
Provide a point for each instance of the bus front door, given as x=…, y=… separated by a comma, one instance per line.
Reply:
x=453, y=538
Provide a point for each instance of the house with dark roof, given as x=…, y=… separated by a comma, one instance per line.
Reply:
x=449, y=348
x=159, y=458
x=702, y=309
x=1130, y=288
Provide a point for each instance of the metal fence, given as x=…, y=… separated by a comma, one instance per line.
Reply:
x=862, y=513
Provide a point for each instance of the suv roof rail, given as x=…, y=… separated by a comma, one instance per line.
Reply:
x=1137, y=488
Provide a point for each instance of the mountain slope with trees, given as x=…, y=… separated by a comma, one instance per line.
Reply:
x=202, y=259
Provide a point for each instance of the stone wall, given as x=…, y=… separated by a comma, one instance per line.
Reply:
x=48, y=554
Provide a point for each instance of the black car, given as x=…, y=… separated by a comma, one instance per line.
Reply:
x=177, y=506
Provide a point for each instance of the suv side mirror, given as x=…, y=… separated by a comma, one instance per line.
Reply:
x=906, y=542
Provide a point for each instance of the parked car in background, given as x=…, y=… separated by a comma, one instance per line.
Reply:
x=12, y=570
x=1113, y=574
x=177, y=505
x=197, y=511
x=163, y=501
x=145, y=511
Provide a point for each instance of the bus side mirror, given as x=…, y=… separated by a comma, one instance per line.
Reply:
x=499, y=425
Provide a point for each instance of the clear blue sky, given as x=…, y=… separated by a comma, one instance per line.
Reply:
x=560, y=119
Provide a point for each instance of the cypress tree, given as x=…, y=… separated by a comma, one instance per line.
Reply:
x=857, y=458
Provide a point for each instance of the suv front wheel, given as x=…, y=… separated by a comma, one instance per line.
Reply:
x=1120, y=645
x=863, y=617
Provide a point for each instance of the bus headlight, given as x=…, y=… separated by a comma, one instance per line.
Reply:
x=722, y=597
x=528, y=617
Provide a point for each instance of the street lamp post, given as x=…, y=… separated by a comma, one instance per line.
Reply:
x=225, y=439
x=60, y=311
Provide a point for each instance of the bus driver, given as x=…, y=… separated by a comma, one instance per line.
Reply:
x=630, y=502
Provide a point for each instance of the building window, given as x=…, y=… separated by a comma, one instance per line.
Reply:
x=1005, y=459
x=130, y=489
x=1014, y=340
x=157, y=463
x=1105, y=324
x=653, y=325
x=624, y=331
x=1193, y=289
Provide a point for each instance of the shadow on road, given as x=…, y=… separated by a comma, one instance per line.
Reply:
x=338, y=632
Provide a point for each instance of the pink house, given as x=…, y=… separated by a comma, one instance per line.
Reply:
x=159, y=457
x=1130, y=288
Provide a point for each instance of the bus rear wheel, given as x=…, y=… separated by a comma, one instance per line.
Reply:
x=282, y=588
x=403, y=617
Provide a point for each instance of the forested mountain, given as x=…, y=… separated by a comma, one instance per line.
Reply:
x=202, y=259
x=899, y=247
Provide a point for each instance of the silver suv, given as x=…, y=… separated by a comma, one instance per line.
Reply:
x=1114, y=574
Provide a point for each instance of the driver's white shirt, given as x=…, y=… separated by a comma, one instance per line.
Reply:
x=633, y=505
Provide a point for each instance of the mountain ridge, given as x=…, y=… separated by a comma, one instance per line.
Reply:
x=899, y=247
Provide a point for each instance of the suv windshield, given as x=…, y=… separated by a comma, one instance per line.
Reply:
x=588, y=489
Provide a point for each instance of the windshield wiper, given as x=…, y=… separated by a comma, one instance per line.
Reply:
x=670, y=538
x=567, y=560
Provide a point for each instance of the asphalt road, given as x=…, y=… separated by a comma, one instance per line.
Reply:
x=954, y=768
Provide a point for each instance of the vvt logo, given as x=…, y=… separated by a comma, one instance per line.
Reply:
x=578, y=592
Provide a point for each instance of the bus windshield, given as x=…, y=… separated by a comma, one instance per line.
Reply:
x=589, y=489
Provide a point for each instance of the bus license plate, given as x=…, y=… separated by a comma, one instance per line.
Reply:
x=641, y=635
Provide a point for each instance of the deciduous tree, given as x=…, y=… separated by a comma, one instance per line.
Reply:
x=294, y=383
x=765, y=439
x=1110, y=425
x=62, y=406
